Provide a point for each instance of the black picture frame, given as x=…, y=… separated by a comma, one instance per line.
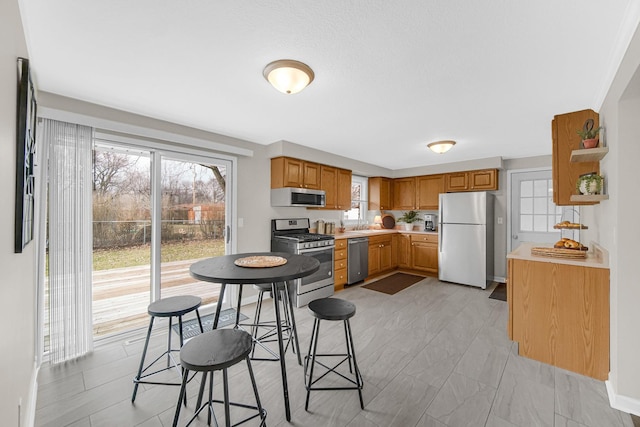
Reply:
x=25, y=153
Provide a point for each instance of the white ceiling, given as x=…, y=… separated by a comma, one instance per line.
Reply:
x=391, y=76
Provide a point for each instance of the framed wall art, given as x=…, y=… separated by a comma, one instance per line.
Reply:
x=26, y=146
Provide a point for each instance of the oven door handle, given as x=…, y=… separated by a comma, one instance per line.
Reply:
x=323, y=248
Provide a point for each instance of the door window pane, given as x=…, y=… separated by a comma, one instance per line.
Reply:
x=538, y=213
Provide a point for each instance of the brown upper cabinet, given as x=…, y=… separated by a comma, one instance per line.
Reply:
x=564, y=129
x=289, y=172
x=428, y=189
x=404, y=193
x=336, y=184
x=478, y=180
x=344, y=189
x=380, y=193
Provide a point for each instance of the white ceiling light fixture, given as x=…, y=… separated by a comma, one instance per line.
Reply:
x=441, y=147
x=288, y=76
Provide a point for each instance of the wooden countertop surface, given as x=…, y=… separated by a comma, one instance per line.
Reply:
x=597, y=256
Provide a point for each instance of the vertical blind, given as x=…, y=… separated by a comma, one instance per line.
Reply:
x=70, y=238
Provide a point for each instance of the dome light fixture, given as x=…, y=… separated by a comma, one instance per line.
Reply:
x=288, y=76
x=441, y=147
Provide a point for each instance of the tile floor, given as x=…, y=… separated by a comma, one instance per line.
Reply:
x=434, y=354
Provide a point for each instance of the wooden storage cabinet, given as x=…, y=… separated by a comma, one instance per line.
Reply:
x=402, y=249
x=336, y=184
x=424, y=252
x=344, y=189
x=477, y=180
x=380, y=193
x=404, y=193
x=428, y=189
x=340, y=264
x=483, y=180
x=457, y=181
x=380, y=254
x=289, y=172
x=565, y=140
x=559, y=314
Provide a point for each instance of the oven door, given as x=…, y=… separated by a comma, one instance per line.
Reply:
x=321, y=278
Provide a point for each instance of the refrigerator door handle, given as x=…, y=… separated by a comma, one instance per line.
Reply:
x=440, y=237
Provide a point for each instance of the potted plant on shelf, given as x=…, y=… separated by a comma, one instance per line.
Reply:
x=589, y=135
x=408, y=218
x=589, y=183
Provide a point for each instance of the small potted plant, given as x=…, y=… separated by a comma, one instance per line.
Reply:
x=341, y=229
x=589, y=135
x=408, y=218
x=589, y=183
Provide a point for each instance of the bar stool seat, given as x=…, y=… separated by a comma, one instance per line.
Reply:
x=218, y=350
x=170, y=307
x=332, y=309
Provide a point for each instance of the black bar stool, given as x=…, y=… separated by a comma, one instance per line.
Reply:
x=264, y=331
x=332, y=309
x=167, y=307
x=218, y=350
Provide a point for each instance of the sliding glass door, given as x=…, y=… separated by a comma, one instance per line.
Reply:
x=193, y=222
x=155, y=212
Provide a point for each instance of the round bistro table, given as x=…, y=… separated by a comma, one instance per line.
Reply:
x=223, y=270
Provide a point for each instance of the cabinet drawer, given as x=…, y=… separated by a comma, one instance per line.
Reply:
x=340, y=277
x=342, y=263
x=341, y=244
x=380, y=240
x=430, y=238
x=340, y=254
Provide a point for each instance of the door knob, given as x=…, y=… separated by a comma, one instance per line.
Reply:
x=514, y=237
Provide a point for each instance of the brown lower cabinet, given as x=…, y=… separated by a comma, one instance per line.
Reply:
x=340, y=264
x=380, y=254
x=416, y=252
x=559, y=314
x=424, y=252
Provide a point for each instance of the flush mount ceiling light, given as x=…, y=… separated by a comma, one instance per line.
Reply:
x=288, y=76
x=441, y=147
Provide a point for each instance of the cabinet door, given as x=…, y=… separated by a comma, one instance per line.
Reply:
x=386, y=255
x=286, y=172
x=311, y=176
x=344, y=189
x=458, y=181
x=484, y=180
x=425, y=256
x=380, y=193
x=404, y=193
x=329, y=183
x=565, y=140
x=428, y=191
x=374, y=258
x=403, y=250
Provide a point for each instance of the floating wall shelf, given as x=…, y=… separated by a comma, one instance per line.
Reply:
x=589, y=154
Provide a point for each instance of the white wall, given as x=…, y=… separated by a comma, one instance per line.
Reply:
x=617, y=226
x=17, y=286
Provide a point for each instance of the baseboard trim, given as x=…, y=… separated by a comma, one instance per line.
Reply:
x=499, y=279
x=622, y=403
x=30, y=410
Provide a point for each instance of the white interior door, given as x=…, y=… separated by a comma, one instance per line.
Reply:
x=533, y=213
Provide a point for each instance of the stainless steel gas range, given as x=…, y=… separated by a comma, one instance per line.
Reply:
x=292, y=236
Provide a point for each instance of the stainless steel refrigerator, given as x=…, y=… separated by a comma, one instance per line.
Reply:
x=465, y=238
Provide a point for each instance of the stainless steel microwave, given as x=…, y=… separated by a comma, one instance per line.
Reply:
x=292, y=196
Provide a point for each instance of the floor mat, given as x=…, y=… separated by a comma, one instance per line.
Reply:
x=394, y=283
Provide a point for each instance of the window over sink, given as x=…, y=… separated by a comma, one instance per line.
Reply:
x=359, y=191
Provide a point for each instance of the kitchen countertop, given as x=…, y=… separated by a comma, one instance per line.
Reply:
x=597, y=256
x=367, y=233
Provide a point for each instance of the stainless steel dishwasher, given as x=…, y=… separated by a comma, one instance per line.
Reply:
x=357, y=259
